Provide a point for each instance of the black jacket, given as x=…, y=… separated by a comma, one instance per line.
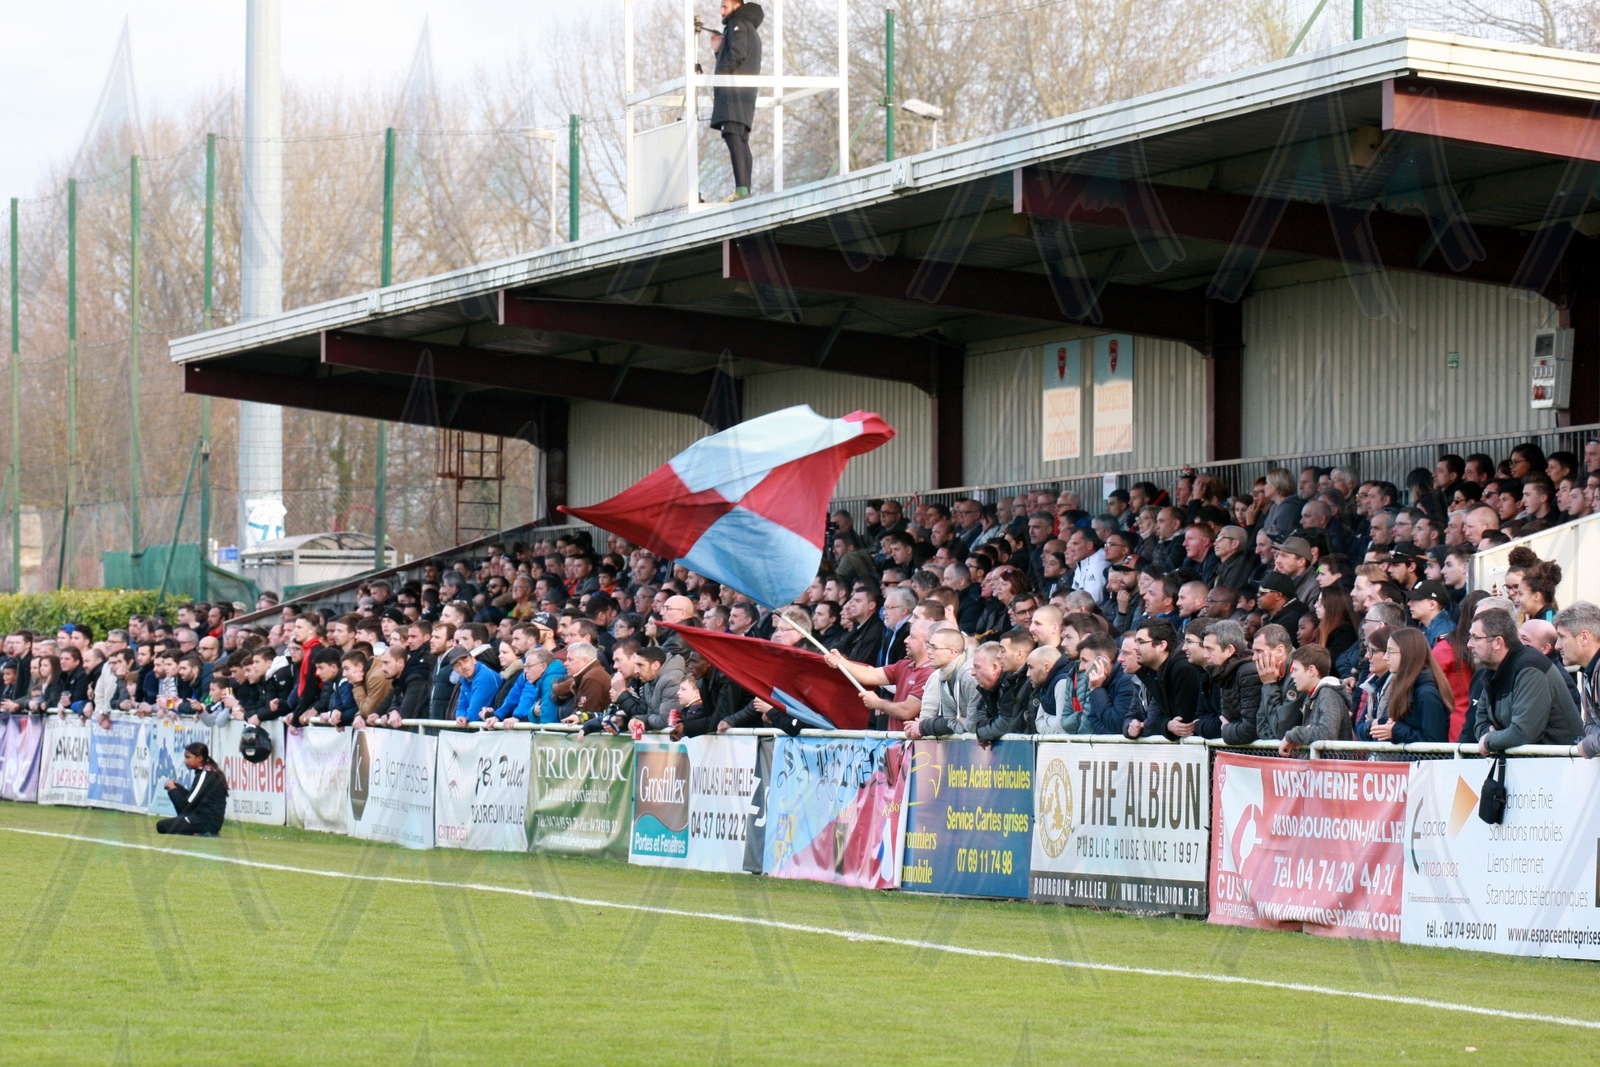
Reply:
x=442, y=697
x=1000, y=710
x=1238, y=691
x=1174, y=690
x=205, y=807
x=412, y=693
x=864, y=641
x=740, y=54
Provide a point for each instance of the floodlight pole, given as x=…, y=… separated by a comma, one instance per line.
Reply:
x=133, y=358
x=1356, y=28
x=574, y=158
x=72, y=381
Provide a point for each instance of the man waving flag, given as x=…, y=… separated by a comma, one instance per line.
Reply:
x=747, y=506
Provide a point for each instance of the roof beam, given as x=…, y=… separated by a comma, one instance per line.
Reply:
x=1404, y=242
x=1175, y=314
x=656, y=390
x=899, y=359
x=1559, y=126
x=337, y=396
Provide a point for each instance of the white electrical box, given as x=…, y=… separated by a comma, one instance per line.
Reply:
x=1550, y=385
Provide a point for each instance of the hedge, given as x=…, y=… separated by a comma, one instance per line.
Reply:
x=103, y=609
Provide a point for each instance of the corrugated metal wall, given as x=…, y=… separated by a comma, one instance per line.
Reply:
x=1004, y=410
x=904, y=465
x=1319, y=375
x=610, y=447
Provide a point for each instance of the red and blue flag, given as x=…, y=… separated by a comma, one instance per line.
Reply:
x=747, y=507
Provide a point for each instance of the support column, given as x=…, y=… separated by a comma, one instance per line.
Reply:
x=948, y=403
x=553, y=433
x=1224, y=380
x=135, y=542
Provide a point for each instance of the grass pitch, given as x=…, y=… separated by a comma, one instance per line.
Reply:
x=129, y=956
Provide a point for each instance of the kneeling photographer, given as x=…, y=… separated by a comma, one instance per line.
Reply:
x=203, y=804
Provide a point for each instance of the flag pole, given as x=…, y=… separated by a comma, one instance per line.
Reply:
x=820, y=648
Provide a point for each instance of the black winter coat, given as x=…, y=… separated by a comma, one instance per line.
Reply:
x=740, y=54
x=207, y=806
x=1238, y=690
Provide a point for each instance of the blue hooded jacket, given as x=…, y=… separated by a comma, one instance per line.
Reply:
x=534, y=701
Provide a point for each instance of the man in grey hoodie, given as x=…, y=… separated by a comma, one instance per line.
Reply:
x=1325, y=710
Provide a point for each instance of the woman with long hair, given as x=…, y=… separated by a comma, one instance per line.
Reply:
x=1418, y=694
x=1537, y=594
x=203, y=804
x=1451, y=652
x=45, y=687
x=1336, y=621
x=1370, y=695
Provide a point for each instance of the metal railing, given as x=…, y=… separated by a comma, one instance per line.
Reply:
x=1389, y=462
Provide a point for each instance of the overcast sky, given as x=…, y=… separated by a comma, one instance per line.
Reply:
x=58, y=54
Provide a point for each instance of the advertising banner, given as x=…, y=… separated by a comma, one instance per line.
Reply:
x=1063, y=385
x=391, y=787
x=1525, y=886
x=316, y=781
x=836, y=811
x=21, y=745
x=755, y=832
x=582, y=794
x=1121, y=826
x=119, y=765
x=1312, y=845
x=64, y=763
x=255, y=790
x=480, y=799
x=1113, y=394
x=168, y=737
x=692, y=802
x=969, y=818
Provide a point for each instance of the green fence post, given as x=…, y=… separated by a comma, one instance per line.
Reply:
x=133, y=358
x=177, y=527
x=72, y=380
x=574, y=145
x=888, y=84
x=380, y=490
x=16, y=411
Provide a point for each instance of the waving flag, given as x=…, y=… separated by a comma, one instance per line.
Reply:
x=798, y=681
x=747, y=506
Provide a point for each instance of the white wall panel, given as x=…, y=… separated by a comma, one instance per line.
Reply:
x=1004, y=410
x=610, y=447
x=904, y=465
x=1319, y=375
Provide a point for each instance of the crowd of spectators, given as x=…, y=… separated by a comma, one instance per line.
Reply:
x=1320, y=606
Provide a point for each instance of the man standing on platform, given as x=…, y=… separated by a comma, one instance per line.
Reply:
x=733, y=110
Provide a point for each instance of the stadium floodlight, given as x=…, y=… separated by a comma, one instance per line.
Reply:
x=924, y=110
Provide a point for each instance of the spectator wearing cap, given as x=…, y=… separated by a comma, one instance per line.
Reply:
x=1279, y=604
x=1430, y=604
x=1296, y=560
x=1525, y=700
x=1406, y=565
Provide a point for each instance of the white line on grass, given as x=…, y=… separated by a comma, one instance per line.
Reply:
x=850, y=935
